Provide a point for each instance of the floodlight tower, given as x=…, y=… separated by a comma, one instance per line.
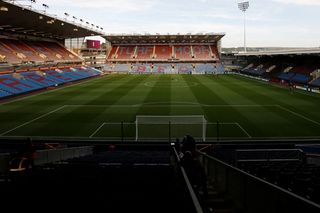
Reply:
x=243, y=6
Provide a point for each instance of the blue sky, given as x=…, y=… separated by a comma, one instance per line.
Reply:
x=285, y=23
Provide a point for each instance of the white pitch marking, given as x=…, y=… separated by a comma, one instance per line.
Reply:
x=299, y=115
x=37, y=118
x=97, y=130
x=167, y=104
x=245, y=131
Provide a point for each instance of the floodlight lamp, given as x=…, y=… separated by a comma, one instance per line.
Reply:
x=243, y=6
x=4, y=9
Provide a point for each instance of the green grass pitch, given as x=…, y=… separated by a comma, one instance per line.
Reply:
x=244, y=108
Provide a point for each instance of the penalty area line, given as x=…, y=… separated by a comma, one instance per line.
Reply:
x=35, y=119
x=97, y=130
x=243, y=129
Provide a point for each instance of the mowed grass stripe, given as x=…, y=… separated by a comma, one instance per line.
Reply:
x=207, y=94
x=160, y=93
x=81, y=120
x=299, y=101
x=286, y=122
x=115, y=114
x=185, y=95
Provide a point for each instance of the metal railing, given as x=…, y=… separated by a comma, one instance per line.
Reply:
x=194, y=198
x=252, y=194
x=56, y=155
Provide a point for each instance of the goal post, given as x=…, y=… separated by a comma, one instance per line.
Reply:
x=157, y=127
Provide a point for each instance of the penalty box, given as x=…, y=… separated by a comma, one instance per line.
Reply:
x=103, y=126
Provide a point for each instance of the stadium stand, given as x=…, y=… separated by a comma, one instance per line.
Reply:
x=144, y=52
x=125, y=52
x=163, y=52
x=113, y=52
x=184, y=68
x=122, y=68
x=315, y=82
x=141, y=68
x=201, y=52
x=299, y=69
x=162, y=68
x=21, y=51
x=154, y=53
x=183, y=52
x=19, y=83
x=205, y=68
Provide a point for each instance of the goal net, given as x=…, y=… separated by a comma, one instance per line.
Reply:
x=170, y=127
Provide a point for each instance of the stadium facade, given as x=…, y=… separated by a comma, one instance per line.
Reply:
x=183, y=54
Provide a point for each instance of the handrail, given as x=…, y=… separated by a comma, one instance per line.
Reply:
x=280, y=199
x=193, y=195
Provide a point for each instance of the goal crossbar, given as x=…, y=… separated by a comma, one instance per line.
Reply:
x=171, y=125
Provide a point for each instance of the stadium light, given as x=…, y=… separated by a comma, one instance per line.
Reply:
x=32, y=2
x=243, y=6
x=4, y=9
x=45, y=7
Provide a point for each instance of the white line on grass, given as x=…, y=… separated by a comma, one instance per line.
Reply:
x=97, y=130
x=233, y=123
x=167, y=104
x=245, y=131
x=105, y=123
x=315, y=95
x=299, y=115
x=37, y=118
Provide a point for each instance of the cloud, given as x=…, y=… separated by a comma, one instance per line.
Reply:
x=300, y=2
x=117, y=5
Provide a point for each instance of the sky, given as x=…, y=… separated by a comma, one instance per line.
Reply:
x=270, y=23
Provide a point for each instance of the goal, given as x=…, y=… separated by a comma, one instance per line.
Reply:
x=168, y=127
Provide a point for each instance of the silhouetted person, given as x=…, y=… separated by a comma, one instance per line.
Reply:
x=195, y=172
x=188, y=144
x=23, y=160
x=28, y=151
x=177, y=145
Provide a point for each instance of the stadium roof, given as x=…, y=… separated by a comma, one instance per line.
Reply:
x=23, y=20
x=156, y=39
x=300, y=51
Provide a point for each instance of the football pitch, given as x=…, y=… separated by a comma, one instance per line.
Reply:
x=233, y=106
